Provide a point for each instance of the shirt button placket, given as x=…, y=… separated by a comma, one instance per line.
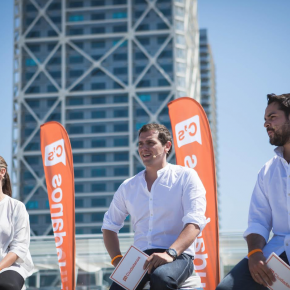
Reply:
x=150, y=218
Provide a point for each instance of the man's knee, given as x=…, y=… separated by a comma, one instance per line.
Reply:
x=159, y=280
x=8, y=285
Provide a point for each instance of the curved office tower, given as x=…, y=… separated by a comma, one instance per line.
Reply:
x=102, y=68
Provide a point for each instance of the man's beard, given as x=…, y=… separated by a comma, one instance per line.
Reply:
x=282, y=136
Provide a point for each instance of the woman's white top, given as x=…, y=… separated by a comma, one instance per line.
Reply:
x=15, y=235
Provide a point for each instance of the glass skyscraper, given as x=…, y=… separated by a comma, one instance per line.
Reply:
x=102, y=68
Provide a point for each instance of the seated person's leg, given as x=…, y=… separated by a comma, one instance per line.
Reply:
x=239, y=278
x=171, y=275
x=11, y=280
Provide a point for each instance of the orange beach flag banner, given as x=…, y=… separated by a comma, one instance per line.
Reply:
x=194, y=149
x=59, y=174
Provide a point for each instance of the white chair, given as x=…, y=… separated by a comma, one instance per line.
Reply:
x=192, y=283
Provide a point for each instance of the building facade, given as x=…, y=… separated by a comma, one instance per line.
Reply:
x=102, y=68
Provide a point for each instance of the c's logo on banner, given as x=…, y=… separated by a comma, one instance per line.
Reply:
x=188, y=131
x=55, y=153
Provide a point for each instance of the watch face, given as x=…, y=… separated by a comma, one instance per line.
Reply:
x=172, y=252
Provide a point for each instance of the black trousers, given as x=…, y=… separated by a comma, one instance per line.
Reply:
x=11, y=280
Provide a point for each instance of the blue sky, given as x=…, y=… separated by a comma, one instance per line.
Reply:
x=250, y=43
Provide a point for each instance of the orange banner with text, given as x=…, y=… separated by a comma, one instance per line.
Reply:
x=194, y=149
x=59, y=174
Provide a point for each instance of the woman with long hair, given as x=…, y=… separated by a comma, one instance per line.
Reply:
x=15, y=260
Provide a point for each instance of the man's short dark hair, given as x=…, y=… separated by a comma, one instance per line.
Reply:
x=164, y=135
x=282, y=100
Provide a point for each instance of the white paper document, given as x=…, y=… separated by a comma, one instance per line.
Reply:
x=281, y=271
x=129, y=272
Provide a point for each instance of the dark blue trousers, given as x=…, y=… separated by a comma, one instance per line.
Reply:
x=239, y=278
x=167, y=276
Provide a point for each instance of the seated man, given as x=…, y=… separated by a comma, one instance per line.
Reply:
x=167, y=207
x=270, y=206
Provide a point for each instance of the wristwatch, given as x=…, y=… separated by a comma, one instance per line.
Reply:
x=172, y=253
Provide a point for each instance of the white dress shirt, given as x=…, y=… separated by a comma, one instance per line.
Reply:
x=177, y=197
x=15, y=235
x=270, y=205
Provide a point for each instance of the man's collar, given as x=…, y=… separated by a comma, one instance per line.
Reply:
x=279, y=151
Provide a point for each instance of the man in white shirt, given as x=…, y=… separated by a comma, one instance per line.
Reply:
x=167, y=207
x=270, y=206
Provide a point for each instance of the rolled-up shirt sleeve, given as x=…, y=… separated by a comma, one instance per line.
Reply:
x=21, y=237
x=194, y=201
x=117, y=212
x=260, y=213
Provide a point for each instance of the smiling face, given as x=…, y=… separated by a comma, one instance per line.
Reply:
x=277, y=125
x=149, y=146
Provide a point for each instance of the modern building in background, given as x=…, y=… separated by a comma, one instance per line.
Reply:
x=208, y=92
x=102, y=68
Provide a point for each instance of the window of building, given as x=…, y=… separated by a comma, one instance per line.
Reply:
x=98, y=172
x=121, y=156
x=120, y=127
x=120, y=70
x=75, y=73
x=51, y=89
x=76, y=59
x=54, y=60
x=77, y=144
x=163, y=82
x=97, y=30
x=98, y=86
x=141, y=113
x=34, y=47
x=79, y=173
x=119, y=142
x=138, y=14
x=119, y=15
x=79, y=187
x=144, y=41
x=165, y=54
x=76, y=129
x=119, y=2
x=125, y=229
x=79, y=217
x=99, y=187
x=79, y=87
x=76, y=115
x=120, y=28
x=99, y=100
x=139, y=69
x=98, y=2
x=143, y=27
x=139, y=125
x=144, y=83
x=32, y=204
x=33, y=34
x=75, y=18
x=33, y=219
x=79, y=231
x=76, y=4
x=166, y=12
x=99, y=202
x=79, y=203
x=162, y=26
x=51, y=33
x=76, y=31
x=97, y=216
x=33, y=103
x=121, y=99
x=140, y=55
x=145, y=98
x=99, y=157
x=99, y=129
x=78, y=158
x=98, y=44
x=33, y=90
x=120, y=56
x=75, y=101
x=30, y=62
x=121, y=113
x=98, y=16
x=98, y=114
x=98, y=143
x=55, y=74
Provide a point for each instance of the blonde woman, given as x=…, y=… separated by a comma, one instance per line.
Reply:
x=15, y=260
